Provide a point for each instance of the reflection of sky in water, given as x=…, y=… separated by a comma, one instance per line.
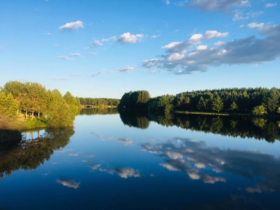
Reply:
x=167, y=166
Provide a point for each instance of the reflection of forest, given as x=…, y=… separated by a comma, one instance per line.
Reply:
x=16, y=154
x=243, y=127
x=98, y=111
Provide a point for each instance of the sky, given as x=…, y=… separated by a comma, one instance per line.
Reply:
x=104, y=48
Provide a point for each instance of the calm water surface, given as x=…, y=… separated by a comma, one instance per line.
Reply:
x=103, y=163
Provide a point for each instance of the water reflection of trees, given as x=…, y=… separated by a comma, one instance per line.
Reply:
x=243, y=127
x=138, y=120
x=98, y=111
x=16, y=154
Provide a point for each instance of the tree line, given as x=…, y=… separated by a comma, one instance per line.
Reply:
x=31, y=101
x=99, y=101
x=259, y=101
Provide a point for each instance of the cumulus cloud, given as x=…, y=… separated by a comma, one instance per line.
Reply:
x=195, y=39
x=64, y=57
x=239, y=15
x=175, y=56
x=255, y=25
x=129, y=38
x=96, y=43
x=219, y=43
x=250, y=50
x=75, y=54
x=177, y=47
x=212, y=34
x=202, y=47
x=72, y=25
x=268, y=5
x=113, y=38
x=69, y=183
x=217, y=5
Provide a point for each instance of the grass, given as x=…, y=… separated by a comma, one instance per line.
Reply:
x=31, y=124
x=210, y=113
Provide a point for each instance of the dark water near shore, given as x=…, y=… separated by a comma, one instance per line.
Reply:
x=132, y=161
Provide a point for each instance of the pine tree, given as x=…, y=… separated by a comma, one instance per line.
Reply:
x=217, y=104
x=233, y=107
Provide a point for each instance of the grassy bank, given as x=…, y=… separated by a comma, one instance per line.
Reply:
x=212, y=113
x=224, y=114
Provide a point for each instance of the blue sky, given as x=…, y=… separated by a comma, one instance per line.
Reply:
x=104, y=48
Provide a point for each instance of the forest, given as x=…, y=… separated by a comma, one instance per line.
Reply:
x=256, y=101
x=30, y=105
x=99, y=102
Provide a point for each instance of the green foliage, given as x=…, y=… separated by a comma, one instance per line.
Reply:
x=259, y=110
x=59, y=111
x=217, y=104
x=99, y=101
x=135, y=100
x=8, y=107
x=271, y=100
x=233, y=107
x=35, y=101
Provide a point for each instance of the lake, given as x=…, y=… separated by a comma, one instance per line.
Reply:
x=138, y=161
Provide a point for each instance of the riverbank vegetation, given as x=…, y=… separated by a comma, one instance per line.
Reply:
x=99, y=102
x=31, y=105
x=246, y=101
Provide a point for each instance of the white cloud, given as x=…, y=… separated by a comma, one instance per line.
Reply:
x=175, y=56
x=171, y=45
x=218, y=5
x=167, y=2
x=268, y=5
x=86, y=48
x=72, y=25
x=238, y=15
x=49, y=34
x=64, y=57
x=202, y=47
x=219, y=43
x=113, y=38
x=255, y=25
x=96, y=43
x=68, y=183
x=92, y=53
x=195, y=39
x=126, y=69
x=249, y=50
x=155, y=36
x=75, y=54
x=212, y=34
x=130, y=38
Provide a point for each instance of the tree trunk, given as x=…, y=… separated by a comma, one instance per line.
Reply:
x=25, y=114
x=32, y=115
x=39, y=115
